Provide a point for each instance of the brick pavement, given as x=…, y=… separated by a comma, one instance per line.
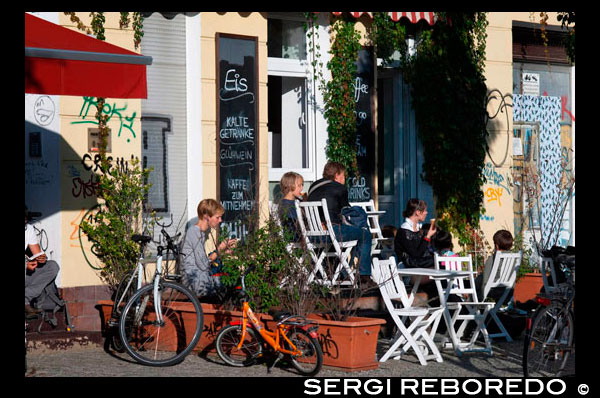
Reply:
x=85, y=357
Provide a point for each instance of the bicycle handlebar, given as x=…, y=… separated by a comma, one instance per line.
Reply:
x=250, y=269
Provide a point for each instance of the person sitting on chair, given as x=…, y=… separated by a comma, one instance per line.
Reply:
x=198, y=274
x=331, y=187
x=39, y=271
x=291, y=187
x=503, y=241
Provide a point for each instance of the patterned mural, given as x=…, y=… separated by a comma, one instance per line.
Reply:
x=547, y=111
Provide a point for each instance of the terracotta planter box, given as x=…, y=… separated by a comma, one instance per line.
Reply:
x=214, y=319
x=350, y=345
x=528, y=287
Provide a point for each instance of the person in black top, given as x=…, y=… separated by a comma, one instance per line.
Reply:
x=332, y=187
x=412, y=244
x=291, y=184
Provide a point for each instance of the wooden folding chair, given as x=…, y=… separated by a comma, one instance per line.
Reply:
x=503, y=275
x=477, y=310
x=322, y=244
x=416, y=325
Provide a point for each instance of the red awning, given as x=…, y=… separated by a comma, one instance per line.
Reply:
x=61, y=61
x=413, y=17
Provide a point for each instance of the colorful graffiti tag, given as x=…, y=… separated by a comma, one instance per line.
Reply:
x=126, y=122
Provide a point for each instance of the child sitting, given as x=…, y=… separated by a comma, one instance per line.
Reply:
x=503, y=241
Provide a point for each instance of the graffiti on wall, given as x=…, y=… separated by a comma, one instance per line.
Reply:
x=85, y=182
x=126, y=121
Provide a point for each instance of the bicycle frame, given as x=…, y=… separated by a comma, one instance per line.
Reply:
x=140, y=271
x=272, y=338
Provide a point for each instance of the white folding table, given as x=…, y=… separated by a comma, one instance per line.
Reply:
x=438, y=275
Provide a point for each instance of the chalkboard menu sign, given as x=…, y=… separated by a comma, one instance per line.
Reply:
x=237, y=130
x=360, y=189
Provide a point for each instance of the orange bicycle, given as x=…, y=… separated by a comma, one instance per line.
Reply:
x=241, y=343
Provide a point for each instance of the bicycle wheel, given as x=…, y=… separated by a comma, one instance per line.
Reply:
x=165, y=343
x=548, y=345
x=227, y=342
x=125, y=291
x=311, y=360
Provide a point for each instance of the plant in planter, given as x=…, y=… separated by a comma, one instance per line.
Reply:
x=120, y=217
x=265, y=249
x=281, y=282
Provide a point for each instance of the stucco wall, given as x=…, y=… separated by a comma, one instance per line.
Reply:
x=499, y=189
x=78, y=194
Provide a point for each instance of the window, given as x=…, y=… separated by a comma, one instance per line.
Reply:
x=154, y=155
x=291, y=118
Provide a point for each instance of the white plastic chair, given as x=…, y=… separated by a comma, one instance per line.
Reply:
x=324, y=245
x=416, y=325
x=503, y=274
x=477, y=310
x=374, y=227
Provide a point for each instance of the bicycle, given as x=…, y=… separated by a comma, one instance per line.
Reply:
x=134, y=282
x=157, y=327
x=241, y=343
x=550, y=333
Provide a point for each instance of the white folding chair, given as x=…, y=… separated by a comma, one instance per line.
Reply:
x=374, y=227
x=477, y=310
x=416, y=325
x=296, y=250
x=322, y=244
x=503, y=275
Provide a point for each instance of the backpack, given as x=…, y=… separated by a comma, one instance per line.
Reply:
x=355, y=216
x=50, y=300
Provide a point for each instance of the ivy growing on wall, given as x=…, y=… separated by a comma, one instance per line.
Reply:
x=449, y=98
x=339, y=95
x=449, y=93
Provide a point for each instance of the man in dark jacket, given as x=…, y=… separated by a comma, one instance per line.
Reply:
x=332, y=188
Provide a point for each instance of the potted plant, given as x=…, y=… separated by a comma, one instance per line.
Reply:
x=281, y=282
x=529, y=279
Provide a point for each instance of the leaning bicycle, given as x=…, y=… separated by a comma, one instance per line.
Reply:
x=550, y=336
x=161, y=323
x=243, y=343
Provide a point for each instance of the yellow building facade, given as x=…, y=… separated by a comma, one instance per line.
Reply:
x=182, y=106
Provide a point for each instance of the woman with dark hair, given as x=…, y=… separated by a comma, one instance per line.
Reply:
x=412, y=243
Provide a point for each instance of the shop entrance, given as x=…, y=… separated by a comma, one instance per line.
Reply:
x=399, y=151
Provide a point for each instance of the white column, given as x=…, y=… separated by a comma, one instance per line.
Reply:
x=194, y=115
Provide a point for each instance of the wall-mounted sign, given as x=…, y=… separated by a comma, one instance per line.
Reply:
x=94, y=140
x=237, y=130
x=360, y=189
x=531, y=83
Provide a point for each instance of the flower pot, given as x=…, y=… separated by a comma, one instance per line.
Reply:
x=214, y=319
x=528, y=287
x=351, y=344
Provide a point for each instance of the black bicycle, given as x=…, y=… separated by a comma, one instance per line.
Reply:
x=550, y=336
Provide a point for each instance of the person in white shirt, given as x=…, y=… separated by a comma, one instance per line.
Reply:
x=39, y=271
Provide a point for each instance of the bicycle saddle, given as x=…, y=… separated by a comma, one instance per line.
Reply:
x=279, y=315
x=566, y=259
x=141, y=238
